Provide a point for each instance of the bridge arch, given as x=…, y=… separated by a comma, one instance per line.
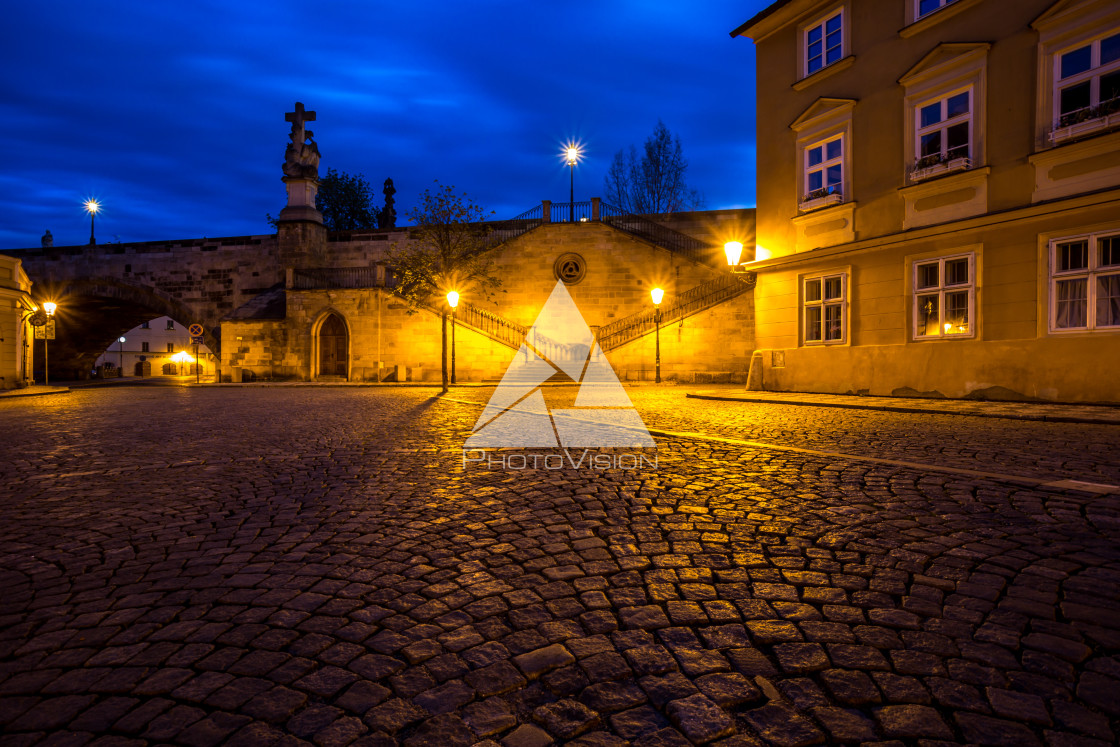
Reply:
x=94, y=311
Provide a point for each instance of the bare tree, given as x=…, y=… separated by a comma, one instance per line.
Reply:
x=655, y=183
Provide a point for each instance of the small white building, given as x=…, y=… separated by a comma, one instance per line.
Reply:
x=15, y=329
x=159, y=347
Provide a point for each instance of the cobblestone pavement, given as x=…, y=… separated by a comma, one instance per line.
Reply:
x=264, y=566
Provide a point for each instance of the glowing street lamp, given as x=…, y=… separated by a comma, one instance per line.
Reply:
x=48, y=307
x=453, y=302
x=657, y=294
x=92, y=206
x=734, y=252
x=572, y=154
x=121, y=351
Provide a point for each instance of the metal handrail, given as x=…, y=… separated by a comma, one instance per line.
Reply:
x=662, y=236
x=618, y=333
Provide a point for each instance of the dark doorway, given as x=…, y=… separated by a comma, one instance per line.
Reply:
x=332, y=347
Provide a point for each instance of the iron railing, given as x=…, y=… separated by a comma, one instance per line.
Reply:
x=506, y=230
x=704, y=296
x=560, y=212
x=496, y=327
x=339, y=277
x=655, y=233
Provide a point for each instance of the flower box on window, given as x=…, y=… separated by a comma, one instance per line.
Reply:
x=932, y=166
x=819, y=199
x=1086, y=121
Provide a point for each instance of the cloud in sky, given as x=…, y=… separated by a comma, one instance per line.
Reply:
x=172, y=115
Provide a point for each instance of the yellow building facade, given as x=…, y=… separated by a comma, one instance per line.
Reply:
x=938, y=189
x=16, y=332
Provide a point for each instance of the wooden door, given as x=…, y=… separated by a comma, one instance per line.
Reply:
x=332, y=347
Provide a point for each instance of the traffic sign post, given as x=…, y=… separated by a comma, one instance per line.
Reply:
x=196, y=332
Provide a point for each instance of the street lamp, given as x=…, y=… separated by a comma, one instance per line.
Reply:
x=656, y=294
x=121, y=341
x=453, y=302
x=734, y=251
x=572, y=154
x=48, y=307
x=92, y=206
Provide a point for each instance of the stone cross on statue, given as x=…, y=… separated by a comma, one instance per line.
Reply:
x=297, y=118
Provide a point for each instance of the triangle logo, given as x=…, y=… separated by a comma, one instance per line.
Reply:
x=559, y=344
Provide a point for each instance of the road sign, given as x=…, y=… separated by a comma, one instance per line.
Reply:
x=196, y=330
x=46, y=332
x=197, y=341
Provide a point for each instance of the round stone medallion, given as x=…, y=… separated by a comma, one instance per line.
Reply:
x=570, y=268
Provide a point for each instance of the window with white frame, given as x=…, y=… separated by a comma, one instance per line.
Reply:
x=1087, y=81
x=1085, y=282
x=824, y=168
x=823, y=306
x=945, y=297
x=824, y=42
x=944, y=129
x=925, y=7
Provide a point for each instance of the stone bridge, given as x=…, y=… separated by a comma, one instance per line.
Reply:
x=103, y=290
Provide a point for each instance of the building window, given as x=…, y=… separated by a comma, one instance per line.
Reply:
x=925, y=7
x=144, y=347
x=170, y=324
x=171, y=347
x=944, y=131
x=145, y=325
x=824, y=169
x=823, y=309
x=824, y=42
x=1085, y=283
x=1087, y=81
x=945, y=297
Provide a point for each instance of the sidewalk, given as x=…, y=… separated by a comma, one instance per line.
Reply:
x=1041, y=411
x=33, y=391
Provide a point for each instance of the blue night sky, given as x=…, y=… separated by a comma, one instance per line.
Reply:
x=172, y=115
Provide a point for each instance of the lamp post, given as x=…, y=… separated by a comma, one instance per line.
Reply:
x=453, y=302
x=48, y=307
x=656, y=294
x=734, y=251
x=121, y=351
x=572, y=156
x=92, y=206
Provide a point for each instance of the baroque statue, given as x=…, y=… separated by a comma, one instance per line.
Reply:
x=301, y=159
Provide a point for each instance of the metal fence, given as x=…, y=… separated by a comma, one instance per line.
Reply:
x=338, y=277
x=618, y=333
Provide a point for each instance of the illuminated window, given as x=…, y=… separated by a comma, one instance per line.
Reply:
x=823, y=42
x=144, y=347
x=824, y=168
x=171, y=347
x=945, y=297
x=1085, y=283
x=823, y=309
x=925, y=7
x=944, y=129
x=1087, y=81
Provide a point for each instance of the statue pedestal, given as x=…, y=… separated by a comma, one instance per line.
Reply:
x=301, y=200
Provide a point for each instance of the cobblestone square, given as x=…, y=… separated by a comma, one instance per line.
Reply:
x=314, y=565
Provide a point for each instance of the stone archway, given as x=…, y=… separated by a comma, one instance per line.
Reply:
x=334, y=347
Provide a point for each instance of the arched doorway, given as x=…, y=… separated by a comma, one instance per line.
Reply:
x=332, y=347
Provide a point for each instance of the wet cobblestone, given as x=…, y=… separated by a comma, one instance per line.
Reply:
x=312, y=565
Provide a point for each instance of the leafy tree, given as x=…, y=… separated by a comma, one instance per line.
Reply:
x=448, y=250
x=654, y=183
x=387, y=217
x=346, y=202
